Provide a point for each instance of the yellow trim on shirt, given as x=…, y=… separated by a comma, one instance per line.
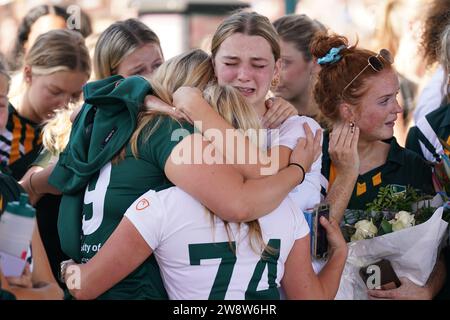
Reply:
x=15, y=142
x=447, y=152
x=361, y=188
x=376, y=179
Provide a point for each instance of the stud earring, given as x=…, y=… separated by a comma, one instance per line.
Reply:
x=352, y=127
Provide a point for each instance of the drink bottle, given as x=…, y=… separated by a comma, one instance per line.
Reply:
x=16, y=230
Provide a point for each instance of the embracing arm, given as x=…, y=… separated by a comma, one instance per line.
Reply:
x=226, y=192
x=111, y=264
x=191, y=105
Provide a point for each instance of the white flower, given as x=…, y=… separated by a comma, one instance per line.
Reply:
x=403, y=219
x=364, y=229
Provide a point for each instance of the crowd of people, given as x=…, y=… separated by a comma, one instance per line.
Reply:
x=209, y=155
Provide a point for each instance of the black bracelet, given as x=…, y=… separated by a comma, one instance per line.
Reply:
x=301, y=167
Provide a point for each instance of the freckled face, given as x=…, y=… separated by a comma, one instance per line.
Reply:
x=379, y=107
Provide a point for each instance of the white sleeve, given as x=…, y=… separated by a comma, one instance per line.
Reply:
x=307, y=194
x=301, y=227
x=291, y=130
x=431, y=96
x=147, y=214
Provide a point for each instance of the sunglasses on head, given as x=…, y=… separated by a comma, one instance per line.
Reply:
x=375, y=62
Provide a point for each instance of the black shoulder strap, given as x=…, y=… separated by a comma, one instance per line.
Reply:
x=421, y=137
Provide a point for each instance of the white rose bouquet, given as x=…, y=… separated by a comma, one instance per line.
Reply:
x=409, y=238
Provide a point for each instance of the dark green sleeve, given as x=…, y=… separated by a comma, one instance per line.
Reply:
x=167, y=133
x=412, y=141
x=426, y=184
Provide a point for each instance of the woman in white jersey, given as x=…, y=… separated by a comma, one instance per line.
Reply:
x=174, y=226
x=246, y=55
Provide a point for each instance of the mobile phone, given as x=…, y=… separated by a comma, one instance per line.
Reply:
x=380, y=275
x=319, y=234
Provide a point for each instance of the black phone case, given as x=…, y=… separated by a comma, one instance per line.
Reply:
x=320, y=243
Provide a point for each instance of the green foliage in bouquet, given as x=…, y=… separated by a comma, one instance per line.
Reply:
x=388, y=212
x=390, y=198
x=424, y=213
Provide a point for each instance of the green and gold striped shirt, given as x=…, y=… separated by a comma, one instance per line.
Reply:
x=20, y=143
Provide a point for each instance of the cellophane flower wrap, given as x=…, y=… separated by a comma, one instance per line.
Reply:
x=398, y=226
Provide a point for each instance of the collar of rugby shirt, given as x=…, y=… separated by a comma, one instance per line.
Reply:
x=446, y=122
x=396, y=153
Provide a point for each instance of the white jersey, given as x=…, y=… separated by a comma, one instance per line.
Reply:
x=193, y=250
x=307, y=194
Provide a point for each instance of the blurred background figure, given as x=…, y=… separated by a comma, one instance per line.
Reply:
x=427, y=138
x=189, y=23
x=127, y=48
x=356, y=19
x=436, y=19
x=37, y=21
x=298, y=68
x=56, y=68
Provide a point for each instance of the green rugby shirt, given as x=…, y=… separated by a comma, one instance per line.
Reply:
x=403, y=167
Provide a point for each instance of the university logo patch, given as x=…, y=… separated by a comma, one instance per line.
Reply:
x=142, y=204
